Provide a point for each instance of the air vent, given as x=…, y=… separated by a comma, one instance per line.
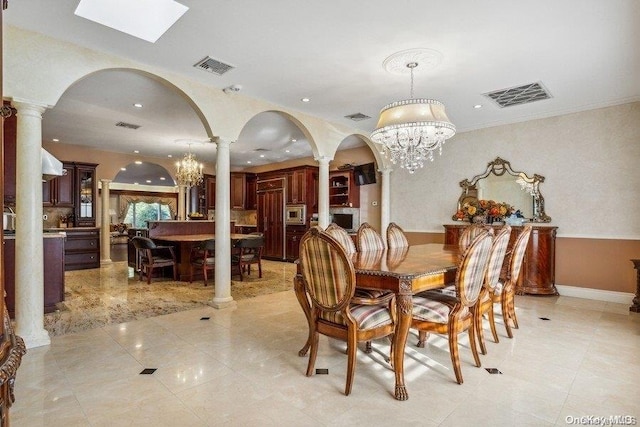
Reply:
x=261, y=150
x=519, y=95
x=213, y=66
x=357, y=117
x=127, y=125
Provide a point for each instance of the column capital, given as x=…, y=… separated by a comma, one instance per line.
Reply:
x=222, y=142
x=323, y=160
x=29, y=108
x=385, y=170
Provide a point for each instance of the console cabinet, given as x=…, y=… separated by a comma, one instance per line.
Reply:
x=538, y=274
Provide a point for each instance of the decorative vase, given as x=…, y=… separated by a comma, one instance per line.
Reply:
x=479, y=219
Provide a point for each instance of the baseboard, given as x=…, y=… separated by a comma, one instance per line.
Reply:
x=595, y=294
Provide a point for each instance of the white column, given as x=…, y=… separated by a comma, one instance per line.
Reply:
x=29, y=270
x=181, y=202
x=105, y=223
x=385, y=203
x=222, y=297
x=323, y=191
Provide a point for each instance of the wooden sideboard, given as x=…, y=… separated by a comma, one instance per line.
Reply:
x=538, y=274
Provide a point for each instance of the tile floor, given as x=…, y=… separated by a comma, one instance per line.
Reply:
x=241, y=367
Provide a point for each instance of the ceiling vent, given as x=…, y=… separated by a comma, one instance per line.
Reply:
x=213, y=66
x=257, y=150
x=519, y=95
x=357, y=117
x=127, y=125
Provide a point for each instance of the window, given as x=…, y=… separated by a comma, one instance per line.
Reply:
x=140, y=212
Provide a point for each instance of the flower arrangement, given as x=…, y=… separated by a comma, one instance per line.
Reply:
x=483, y=211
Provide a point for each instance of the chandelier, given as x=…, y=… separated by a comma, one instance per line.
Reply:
x=411, y=130
x=189, y=171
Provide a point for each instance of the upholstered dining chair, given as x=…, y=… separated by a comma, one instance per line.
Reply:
x=470, y=233
x=203, y=258
x=453, y=315
x=368, y=239
x=491, y=279
x=328, y=278
x=504, y=293
x=153, y=256
x=247, y=252
x=340, y=234
x=396, y=237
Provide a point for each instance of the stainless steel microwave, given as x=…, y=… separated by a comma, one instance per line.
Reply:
x=295, y=215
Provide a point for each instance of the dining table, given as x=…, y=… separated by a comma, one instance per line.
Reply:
x=185, y=242
x=405, y=271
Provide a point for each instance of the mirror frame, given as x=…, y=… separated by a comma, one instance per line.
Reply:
x=499, y=167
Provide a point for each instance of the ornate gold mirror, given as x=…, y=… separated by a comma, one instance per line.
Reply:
x=502, y=184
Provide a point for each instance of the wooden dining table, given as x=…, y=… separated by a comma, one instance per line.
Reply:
x=405, y=271
x=185, y=242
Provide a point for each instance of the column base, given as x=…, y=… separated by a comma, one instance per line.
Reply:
x=222, y=303
x=105, y=261
x=37, y=339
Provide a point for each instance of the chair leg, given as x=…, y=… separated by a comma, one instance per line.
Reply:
x=455, y=357
x=140, y=273
x=506, y=314
x=422, y=338
x=477, y=326
x=474, y=348
x=175, y=272
x=313, y=352
x=204, y=273
x=241, y=267
x=190, y=273
x=492, y=324
x=352, y=349
x=149, y=274
x=260, y=269
x=512, y=311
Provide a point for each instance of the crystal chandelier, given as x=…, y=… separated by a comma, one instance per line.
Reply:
x=411, y=130
x=189, y=171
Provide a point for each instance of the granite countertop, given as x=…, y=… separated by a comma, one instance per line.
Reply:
x=246, y=225
x=57, y=235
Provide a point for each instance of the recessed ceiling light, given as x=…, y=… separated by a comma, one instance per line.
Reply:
x=123, y=169
x=136, y=151
x=135, y=183
x=149, y=181
x=286, y=151
x=294, y=140
x=477, y=106
x=162, y=178
x=169, y=155
x=305, y=100
x=137, y=105
x=138, y=162
x=249, y=161
x=55, y=140
x=139, y=18
x=262, y=155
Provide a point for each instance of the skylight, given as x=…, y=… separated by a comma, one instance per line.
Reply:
x=145, y=19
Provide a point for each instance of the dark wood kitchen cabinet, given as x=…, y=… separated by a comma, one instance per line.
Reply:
x=9, y=128
x=60, y=190
x=82, y=249
x=238, y=190
x=86, y=190
x=293, y=236
x=251, y=197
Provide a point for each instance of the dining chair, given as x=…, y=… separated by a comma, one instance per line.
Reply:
x=328, y=278
x=203, y=258
x=470, y=233
x=343, y=238
x=153, y=256
x=396, y=237
x=491, y=279
x=246, y=252
x=368, y=239
x=453, y=315
x=504, y=293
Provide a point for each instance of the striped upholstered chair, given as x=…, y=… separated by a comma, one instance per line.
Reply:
x=491, y=279
x=470, y=233
x=368, y=239
x=504, y=293
x=396, y=237
x=328, y=277
x=453, y=316
x=342, y=237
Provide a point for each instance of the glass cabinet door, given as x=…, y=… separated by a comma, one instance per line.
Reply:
x=86, y=196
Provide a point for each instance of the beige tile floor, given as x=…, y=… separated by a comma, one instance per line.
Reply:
x=241, y=367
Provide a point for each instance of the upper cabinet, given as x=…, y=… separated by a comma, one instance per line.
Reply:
x=251, y=199
x=85, y=194
x=343, y=192
x=238, y=190
x=297, y=187
x=60, y=191
x=242, y=191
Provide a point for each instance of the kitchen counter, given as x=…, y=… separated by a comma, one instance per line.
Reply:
x=46, y=235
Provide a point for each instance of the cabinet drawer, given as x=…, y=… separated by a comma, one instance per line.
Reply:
x=82, y=244
x=81, y=260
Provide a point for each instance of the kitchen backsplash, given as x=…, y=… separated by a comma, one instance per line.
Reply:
x=240, y=217
x=54, y=215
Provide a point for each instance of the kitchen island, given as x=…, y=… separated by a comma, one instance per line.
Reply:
x=53, y=270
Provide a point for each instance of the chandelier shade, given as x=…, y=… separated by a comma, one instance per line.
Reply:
x=189, y=171
x=412, y=129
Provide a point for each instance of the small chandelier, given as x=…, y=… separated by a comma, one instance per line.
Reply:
x=189, y=171
x=411, y=130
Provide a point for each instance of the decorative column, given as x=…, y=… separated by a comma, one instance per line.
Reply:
x=385, y=203
x=323, y=191
x=29, y=271
x=181, y=202
x=222, y=297
x=105, y=223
